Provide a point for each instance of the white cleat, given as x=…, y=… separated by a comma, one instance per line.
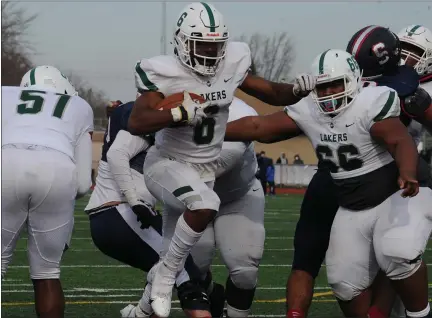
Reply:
x=128, y=311
x=161, y=290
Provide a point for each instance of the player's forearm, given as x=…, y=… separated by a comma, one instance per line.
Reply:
x=245, y=129
x=149, y=121
x=123, y=149
x=277, y=94
x=404, y=152
x=284, y=94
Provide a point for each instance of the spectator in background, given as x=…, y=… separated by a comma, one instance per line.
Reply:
x=282, y=160
x=270, y=174
x=263, y=163
x=297, y=160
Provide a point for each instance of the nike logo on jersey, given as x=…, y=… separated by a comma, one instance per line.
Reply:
x=255, y=189
x=349, y=125
x=226, y=80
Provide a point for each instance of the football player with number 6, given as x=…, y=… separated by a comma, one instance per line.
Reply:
x=180, y=169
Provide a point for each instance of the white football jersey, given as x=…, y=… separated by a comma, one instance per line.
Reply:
x=40, y=117
x=344, y=142
x=165, y=74
x=235, y=178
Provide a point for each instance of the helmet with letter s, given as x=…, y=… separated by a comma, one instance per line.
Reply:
x=376, y=49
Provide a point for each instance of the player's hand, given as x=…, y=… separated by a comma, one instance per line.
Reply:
x=304, y=84
x=416, y=104
x=146, y=215
x=191, y=112
x=410, y=186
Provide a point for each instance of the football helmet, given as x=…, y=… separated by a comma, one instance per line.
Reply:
x=338, y=81
x=416, y=42
x=49, y=77
x=376, y=49
x=200, y=38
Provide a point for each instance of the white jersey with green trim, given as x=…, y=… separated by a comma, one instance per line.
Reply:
x=35, y=116
x=343, y=143
x=165, y=74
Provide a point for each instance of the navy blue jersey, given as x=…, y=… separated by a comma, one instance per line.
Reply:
x=119, y=121
x=405, y=82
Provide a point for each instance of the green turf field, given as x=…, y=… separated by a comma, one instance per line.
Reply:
x=97, y=286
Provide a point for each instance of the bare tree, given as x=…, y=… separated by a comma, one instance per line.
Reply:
x=16, y=49
x=96, y=98
x=272, y=56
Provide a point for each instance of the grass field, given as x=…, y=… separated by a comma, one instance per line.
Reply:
x=97, y=286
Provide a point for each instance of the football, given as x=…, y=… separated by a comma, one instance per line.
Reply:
x=176, y=100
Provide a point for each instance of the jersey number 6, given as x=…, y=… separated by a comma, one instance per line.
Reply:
x=326, y=156
x=204, y=132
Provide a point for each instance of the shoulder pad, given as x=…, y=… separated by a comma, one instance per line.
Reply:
x=152, y=74
x=382, y=103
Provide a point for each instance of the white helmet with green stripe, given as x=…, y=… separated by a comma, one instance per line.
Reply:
x=416, y=42
x=50, y=78
x=200, y=38
x=338, y=80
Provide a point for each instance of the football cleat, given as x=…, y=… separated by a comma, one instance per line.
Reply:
x=193, y=297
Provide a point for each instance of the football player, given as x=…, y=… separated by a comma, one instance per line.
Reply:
x=416, y=42
x=180, y=170
x=372, y=159
x=320, y=203
x=46, y=165
x=122, y=207
x=242, y=207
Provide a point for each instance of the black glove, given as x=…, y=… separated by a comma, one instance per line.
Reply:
x=147, y=216
x=416, y=104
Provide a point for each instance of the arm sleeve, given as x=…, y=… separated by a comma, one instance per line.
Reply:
x=123, y=149
x=83, y=162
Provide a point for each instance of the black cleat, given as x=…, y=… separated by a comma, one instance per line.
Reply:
x=193, y=297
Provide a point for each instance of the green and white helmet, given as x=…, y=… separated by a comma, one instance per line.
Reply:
x=48, y=77
x=200, y=38
x=416, y=42
x=336, y=67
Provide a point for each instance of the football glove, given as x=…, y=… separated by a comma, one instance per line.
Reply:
x=190, y=112
x=146, y=215
x=303, y=85
x=416, y=104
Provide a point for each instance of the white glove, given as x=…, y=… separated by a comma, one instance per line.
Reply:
x=304, y=84
x=190, y=111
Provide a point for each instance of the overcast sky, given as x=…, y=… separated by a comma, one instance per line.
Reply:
x=101, y=41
